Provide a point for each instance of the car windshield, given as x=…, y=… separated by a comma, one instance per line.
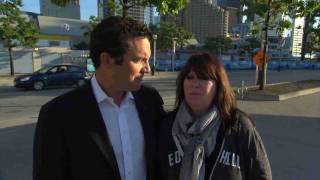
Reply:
x=43, y=70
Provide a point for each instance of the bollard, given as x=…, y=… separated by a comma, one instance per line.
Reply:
x=242, y=90
x=152, y=70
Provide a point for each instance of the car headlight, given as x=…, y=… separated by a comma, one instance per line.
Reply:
x=25, y=78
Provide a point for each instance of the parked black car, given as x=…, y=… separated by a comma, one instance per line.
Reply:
x=58, y=75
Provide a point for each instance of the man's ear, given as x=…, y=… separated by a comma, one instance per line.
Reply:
x=106, y=60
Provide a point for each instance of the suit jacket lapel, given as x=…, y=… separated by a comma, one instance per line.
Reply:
x=146, y=122
x=96, y=128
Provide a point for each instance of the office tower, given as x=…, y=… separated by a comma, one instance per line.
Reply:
x=143, y=14
x=204, y=18
x=229, y=3
x=296, y=36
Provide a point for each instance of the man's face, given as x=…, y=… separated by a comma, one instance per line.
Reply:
x=135, y=63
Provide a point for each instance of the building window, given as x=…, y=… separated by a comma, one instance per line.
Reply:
x=54, y=43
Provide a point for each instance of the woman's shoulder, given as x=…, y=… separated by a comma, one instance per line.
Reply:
x=166, y=127
x=244, y=118
x=169, y=118
x=242, y=121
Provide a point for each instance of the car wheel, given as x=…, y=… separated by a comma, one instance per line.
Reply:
x=38, y=85
x=81, y=82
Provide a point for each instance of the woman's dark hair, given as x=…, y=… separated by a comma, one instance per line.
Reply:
x=111, y=35
x=207, y=66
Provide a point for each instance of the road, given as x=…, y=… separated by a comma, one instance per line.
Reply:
x=289, y=128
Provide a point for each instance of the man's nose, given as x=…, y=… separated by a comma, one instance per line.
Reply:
x=147, y=68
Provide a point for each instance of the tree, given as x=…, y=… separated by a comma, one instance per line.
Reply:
x=268, y=11
x=81, y=46
x=167, y=31
x=249, y=45
x=88, y=28
x=93, y=22
x=63, y=3
x=163, y=6
x=313, y=42
x=218, y=45
x=310, y=10
x=15, y=30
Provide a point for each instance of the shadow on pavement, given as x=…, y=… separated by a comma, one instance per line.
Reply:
x=16, y=152
x=13, y=92
x=291, y=145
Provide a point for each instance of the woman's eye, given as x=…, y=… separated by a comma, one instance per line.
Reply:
x=189, y=77
x=204, y=78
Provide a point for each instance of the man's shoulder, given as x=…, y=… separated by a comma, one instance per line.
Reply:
x=68, y=99
x=147, y=91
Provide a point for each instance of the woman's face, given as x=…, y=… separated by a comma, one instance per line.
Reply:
x=198, y=93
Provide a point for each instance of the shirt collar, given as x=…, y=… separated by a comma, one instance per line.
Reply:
x=101, y=95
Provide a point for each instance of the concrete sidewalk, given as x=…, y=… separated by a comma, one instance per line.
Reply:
x=6, y=80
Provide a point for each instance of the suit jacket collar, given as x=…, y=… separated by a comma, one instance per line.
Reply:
x=96, y=127
x=98, y=130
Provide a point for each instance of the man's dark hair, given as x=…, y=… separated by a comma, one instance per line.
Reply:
x=111, y=35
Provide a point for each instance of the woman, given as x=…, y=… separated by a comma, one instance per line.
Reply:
x=207, y=137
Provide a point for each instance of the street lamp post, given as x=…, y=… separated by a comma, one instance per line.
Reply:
x=153, y=68
x=34, y=59
x=173, y=53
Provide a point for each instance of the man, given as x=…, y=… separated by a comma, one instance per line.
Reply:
x=106, y=129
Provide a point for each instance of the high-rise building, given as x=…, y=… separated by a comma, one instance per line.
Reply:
x=229, y=3
x=103, y=9
x=296, y=36
x=72, y=10
x=143, y=14
x=204, y=18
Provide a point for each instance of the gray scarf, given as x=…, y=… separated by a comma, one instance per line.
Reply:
x=195, y=138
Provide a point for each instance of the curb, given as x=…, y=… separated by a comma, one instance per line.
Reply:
x=280, y=97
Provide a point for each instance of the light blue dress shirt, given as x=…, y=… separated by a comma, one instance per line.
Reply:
x=125, y=132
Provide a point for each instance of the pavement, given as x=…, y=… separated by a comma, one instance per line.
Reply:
x=289, y=128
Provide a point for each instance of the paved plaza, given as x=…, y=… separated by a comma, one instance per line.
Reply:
x=290, y=129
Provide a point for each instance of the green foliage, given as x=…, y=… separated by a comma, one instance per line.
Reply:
x=167, y=31
x=93, y=22
x=249, y=45
x=310, y=10
x=269, y=12
x=218, y=45
x=163, y=6
x=88, y=28
x=313, y=42
x=63, y=3
x=306, y=8
x=81, y=46
x=262, y=9
x=15, y=29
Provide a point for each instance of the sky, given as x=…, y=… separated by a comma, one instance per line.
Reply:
x=87, y=7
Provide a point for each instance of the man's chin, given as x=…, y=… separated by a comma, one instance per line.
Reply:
x=136, y=87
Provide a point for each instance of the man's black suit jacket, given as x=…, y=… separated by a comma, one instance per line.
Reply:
x=71, y=141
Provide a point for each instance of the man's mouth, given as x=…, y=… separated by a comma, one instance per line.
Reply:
x=139, y=78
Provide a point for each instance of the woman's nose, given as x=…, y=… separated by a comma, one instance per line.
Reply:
x=195, y=83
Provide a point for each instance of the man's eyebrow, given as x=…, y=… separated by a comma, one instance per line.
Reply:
x=140, y=57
